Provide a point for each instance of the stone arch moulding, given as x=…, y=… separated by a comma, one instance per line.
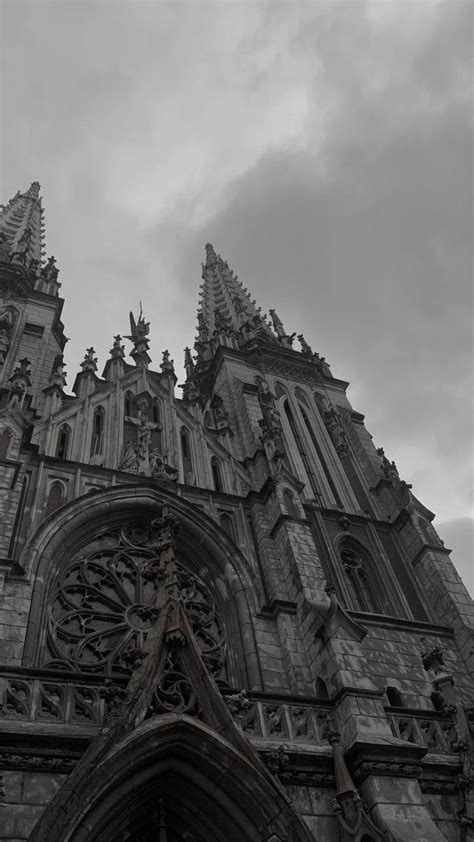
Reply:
x=209, y=789
x=202, y=544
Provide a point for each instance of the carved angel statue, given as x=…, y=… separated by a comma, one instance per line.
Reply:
x=139, y=329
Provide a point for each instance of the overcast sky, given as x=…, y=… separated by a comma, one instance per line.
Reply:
x=323, y=148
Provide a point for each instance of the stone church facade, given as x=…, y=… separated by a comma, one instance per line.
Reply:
x=224, y=617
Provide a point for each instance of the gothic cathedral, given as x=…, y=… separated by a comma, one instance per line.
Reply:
x=224, y=616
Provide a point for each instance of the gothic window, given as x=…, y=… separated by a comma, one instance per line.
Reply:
x=327, y=472
x=56, y=498
x=216, y=474
x=227, y=524
x=5, y=438
x=98, y=424
x=95, y=616
x=128, y=404
x=64, y=439
x=155, y=411
x=187, y=456
x=356, y=567
x=301, y=397
x=301, y=450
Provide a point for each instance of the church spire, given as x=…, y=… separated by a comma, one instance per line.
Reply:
x=224, y=300
x=22, y=226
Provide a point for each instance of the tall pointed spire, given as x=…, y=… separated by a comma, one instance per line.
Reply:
x=225, y=302
x=22, y=226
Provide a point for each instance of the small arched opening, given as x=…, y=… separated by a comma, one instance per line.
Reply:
x=98, y=425
x=216, y=474
x=56, y=498
x=64, y=442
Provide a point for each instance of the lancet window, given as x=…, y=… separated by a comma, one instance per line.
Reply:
x=64, y=441
x=56, y=498
x=216, y=474
x=5, y=438
x=301, y=450
x=314, y=441
x=98, y=424
x=186, y=453
x=357, y=569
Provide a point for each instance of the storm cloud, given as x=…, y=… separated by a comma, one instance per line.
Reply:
x=325, y=149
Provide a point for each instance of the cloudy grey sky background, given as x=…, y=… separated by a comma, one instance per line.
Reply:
x=325, y=150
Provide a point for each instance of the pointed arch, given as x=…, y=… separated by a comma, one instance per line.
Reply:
x=360, y=576
x=217, y=474
x=299, y=442
x=56, y=497
x=98, y=427
x=319, y=453
x=202, y=546
x=187, y=455
x=64, y=442
x=180, y=760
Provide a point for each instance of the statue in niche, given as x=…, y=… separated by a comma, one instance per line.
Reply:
x=144, y=431
x=271, y=421
x=130, y=458
x=333, y=424
x=159, y=467
x=6, y=329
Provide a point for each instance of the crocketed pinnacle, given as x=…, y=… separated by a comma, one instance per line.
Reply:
x=22, y=226
x=224, y=300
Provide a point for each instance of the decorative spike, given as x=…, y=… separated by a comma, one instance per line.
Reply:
x=89, y=362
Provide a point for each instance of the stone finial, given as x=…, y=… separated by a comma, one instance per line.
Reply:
x=118, y=350
x=89, y=362
x=306, y=349
x=50, y=272
x=167, y=365
x=188, y=363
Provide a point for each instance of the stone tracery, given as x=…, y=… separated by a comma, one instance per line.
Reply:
x=99, y=615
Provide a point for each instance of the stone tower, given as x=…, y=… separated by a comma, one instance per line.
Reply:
x=224, y=617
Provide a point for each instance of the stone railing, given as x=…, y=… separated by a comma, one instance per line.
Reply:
x=433, y=730
x=72, y=700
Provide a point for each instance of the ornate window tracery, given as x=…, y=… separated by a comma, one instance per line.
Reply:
x=99, y=607
x=355, y=568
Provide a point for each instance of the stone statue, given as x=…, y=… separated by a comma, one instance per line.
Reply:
x=130, y=458
x=139, y=329
x=159, y=467
x=49, y=271
x=6, y=326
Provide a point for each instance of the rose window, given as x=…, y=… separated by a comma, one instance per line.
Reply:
x=99, y=615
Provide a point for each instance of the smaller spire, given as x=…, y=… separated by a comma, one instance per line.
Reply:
x=167, y=365
x=188, y=363
x=306, y=349
x=117, y=352
x=285, y=339
x=58, y=372
x=89, y=362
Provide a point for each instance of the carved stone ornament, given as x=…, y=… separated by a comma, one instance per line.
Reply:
x=102, y=606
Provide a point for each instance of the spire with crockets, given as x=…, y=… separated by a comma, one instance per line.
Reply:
x=225, y=302
x=22, y=238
